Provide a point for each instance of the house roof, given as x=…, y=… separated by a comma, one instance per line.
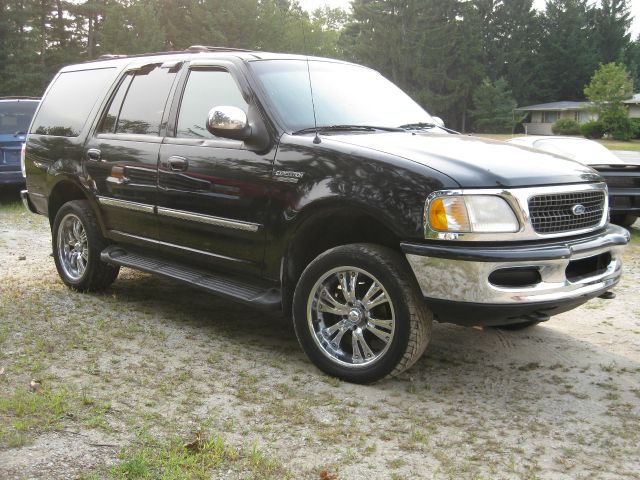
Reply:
x=635, y=99
x=554, y=106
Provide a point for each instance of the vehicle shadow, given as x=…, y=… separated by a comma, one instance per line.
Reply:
x=460, y=351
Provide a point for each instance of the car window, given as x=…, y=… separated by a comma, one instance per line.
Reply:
x=139, y=103
x=204, y=90
x=15, y=116
x=111, y=118
x=66, y=106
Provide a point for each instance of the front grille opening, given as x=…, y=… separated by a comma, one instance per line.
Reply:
x=554, y=213
x=588, y=267
x=515, y=277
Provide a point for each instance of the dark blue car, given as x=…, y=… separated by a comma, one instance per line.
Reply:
x=15, y=116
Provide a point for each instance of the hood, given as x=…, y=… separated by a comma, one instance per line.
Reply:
x=475, y=162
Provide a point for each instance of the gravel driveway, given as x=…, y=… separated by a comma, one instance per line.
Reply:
x=88, y=381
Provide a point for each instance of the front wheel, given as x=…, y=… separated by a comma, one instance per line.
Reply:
x=77, y=243
x=359, y=315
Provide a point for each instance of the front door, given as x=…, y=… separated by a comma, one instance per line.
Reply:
x=213, y=192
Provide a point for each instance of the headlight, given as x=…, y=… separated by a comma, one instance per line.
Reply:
x=471, y=213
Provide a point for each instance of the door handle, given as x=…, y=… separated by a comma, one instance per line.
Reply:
x=94, y=154
x=178, y=164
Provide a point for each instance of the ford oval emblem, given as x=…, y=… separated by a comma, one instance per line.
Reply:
x=579, y=210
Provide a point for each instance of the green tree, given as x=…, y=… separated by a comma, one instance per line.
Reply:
x=612, y=36
x=566, y=58
x=609, y=86
x=510, y=45
x=493, y=105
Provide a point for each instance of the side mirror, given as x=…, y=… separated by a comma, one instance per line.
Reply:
x=228, y=122
x=438, y=121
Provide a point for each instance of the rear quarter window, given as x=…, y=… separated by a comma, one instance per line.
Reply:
x=69, y=101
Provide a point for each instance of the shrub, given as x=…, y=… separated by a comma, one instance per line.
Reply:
x=592, y=129
x=636, y=127
x=616, y=122
x=566, y=126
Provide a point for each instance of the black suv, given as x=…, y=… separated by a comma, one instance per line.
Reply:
x=15, y=116
x=313, y=186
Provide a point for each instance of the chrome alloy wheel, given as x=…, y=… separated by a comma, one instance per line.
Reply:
x=73, y=250
x=351, y=317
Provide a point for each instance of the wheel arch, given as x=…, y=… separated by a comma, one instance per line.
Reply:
x=325, y=227
x=66, y=190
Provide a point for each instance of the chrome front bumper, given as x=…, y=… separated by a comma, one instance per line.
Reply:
x=459, y=274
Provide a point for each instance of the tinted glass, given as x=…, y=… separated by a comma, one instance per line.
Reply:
x=16, y=115
x=66, y=107
x=343, y=95
x=144, y=104
x=110, y=119
x=206, y=89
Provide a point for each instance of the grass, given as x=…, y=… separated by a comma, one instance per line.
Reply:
x=633, y=145
x=145, y=363
x=202, y=458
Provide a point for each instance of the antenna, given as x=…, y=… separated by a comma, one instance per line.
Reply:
x=316, y=139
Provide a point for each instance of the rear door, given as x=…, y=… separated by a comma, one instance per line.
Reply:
x=213, y=192
x=121, y=158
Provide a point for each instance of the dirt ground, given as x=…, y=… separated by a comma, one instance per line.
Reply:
x=88, y=380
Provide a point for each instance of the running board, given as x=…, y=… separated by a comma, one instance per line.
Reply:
x=223, y=285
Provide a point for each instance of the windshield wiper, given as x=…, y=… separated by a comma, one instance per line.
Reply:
x=347, y=128
x=418, y=126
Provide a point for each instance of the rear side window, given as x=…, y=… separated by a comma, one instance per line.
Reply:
x=69, y=101
x=139, y=102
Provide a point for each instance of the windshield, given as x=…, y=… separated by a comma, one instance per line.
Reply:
x=343, y=95
x=15, y=116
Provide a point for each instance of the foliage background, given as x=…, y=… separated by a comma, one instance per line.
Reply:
x=440, y=51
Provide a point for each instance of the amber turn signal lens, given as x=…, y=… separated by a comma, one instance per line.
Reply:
x=438, y=215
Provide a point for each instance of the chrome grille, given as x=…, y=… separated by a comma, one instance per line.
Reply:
x=553, y=213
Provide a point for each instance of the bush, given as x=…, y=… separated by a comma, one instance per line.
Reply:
x=566, y=126
x=636, y=127
x=616, y=122
x=592, y=129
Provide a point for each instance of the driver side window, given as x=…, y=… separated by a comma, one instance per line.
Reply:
x=204, y=90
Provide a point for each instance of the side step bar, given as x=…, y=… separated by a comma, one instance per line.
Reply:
x=219, y=284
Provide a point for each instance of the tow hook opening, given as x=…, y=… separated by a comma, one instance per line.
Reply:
x=515, y=277
x=588, y=267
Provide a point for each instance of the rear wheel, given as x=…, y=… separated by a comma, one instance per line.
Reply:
x=77, y=243
x=359, y=315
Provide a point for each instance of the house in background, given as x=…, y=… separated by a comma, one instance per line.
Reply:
x=541, y=117
x=633, y=104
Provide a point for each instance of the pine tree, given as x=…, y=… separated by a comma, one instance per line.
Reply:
x=567, y=56
x=612, y=23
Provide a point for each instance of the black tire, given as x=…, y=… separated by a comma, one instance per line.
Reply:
x=80, y=266
x=624, y=219
x=406, y=327
x=518, y=326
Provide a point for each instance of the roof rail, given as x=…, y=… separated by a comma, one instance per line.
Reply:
x=191, y=49
x=19, y=97
x=207, y=48
x=109, y=56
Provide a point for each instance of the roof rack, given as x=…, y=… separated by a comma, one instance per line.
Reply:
x=191, y=49
x=207, y=48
